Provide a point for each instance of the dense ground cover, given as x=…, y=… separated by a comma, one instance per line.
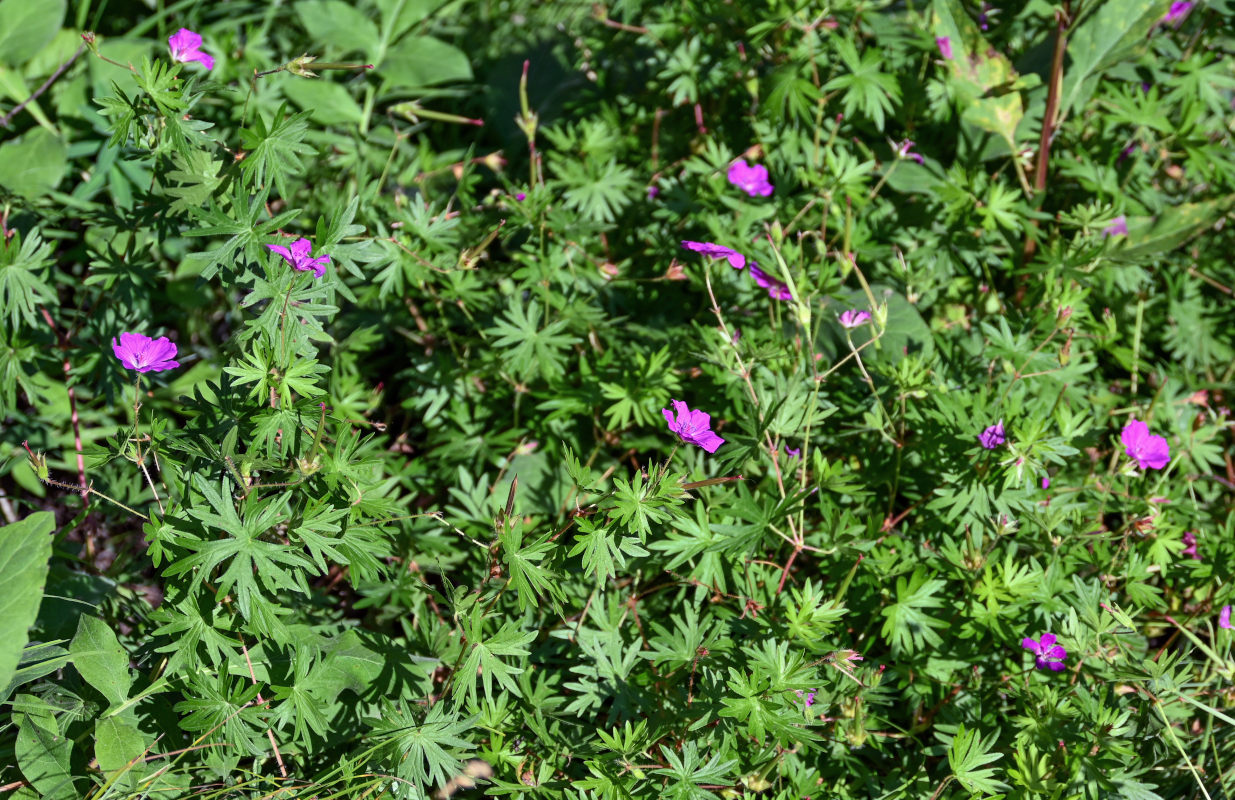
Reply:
x=629, y=400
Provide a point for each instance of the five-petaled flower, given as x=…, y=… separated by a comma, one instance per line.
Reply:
x=298, y=256
x=141, y=353
x=1224, y=618
x=902, y=151
x=945, y=46
x=185, y=46
x=752, y=179
x=1149, y=451
x=853, y=317
x=777, y=289
x=1118, y=227
x=695, y=427
x=736, y=259
x=1047, y=654
x=1178, y=10
x=993, y=436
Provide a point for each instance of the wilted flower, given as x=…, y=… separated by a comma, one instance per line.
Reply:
x=1177, y=11
x=695, y=427
x=1224, y=618
x=751, y=179
x=1150, y=451
x=945, y=46
x=853, y=317
x=298, y=256
x=1047, y=654
x=185, y=46
x=1118, y=227
x=777, y=289
x=141, y=353
x=1190, y=546
x=736, y=259
x=902, y=150
x=993, y=437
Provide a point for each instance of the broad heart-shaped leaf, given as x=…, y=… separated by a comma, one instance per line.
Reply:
x=25, y=27
x=1103, y=39
x=339, y=26
x=420, y=61
x=43, y=752
x=119, y=747
x=25, y=549
x=100, y=659
x=984, y=79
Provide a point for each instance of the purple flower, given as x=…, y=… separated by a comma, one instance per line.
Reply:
x=1046, y=482
x=1148, y=450
x=1190, y=548
x=853, y=317
x=993, y=436
x=793, y=452
x=521, y=196
x=1224, y=618
x=945, y=46
x=653, y=191
x=751, y=179
x=810, y=697
x=185, y=46
x=1178, y=11
x=777, y=290
x=1118, y=227
x=144, y=354
x=736, y=259
x=1047, y=654
x=298, y=256
x=902, y=150
x=695, y=427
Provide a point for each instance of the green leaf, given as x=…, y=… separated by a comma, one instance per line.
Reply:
x=482, y=658
x=420, y=61
x=275, y=150
x=1103, y=39
x=119, y=745
x=339, y=25
x=328, y=103
x=25, y=548
x=907, y=625
x=100, y=659
x=44, y=754
x=33, y=166
x=967, y=755
x=26, y=27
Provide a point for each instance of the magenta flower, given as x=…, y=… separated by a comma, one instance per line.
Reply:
x=1190, y=546
x=185, y=46
x=993, y=437
x=1224, y=618
x=736, y=259
x=902, y=150
x=695, y=427
x=1150, y=451
x=1177, y=11
x=777, y=290
x=809, y=698
x=1118, y=227
x=751, y=179
x=793, y=452
x=144, y=354
x=945, y=46
x=653, y=191
x=1047, y=654
x=1046, y=482
x=521, y=196
x=298, y=256
x=853, y=317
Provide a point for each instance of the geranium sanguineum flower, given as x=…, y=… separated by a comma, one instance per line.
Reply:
x=750, y=178
x=1178, y=10
x=1150, y=451
x=945, y=46
x=777, y=289
x=1224, y=618
x=736, y=259
x=185, y=46
x=695, y=427
x=993, y=437
x=1190, y=546
x=1047, y=654
x=143, y=354
x=1118, y=227
x=903, y=150
x=298, y=256
x=853, y=317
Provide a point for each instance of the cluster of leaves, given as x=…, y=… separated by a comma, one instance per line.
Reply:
x=419, y=525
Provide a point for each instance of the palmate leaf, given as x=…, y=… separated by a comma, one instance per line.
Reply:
x=689, y=774
x=530, y=580
x=968, y=756
x=240, y=224
x=529, y=350
x=22, y=264
x=274, y=151
x=908, y=626
x=483, y=657
x=427, y=753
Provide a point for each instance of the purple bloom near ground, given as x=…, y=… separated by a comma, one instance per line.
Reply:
x=521, y=196
x=1149, y=451
x=1046, y=483
x=141, y=353
x=694, y=427
x=1190, y=546
x=993, y=436
x=298, y=256
x=853, y=317
x=945, y=46
x=185, y=46
x=1177, y=11
x=1118, y=227
x=777, y=290
x=1224, y=618
x=903, y=149
x=1047, y=654
x=752, y=179
x=809, y=698
x=736, y=259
